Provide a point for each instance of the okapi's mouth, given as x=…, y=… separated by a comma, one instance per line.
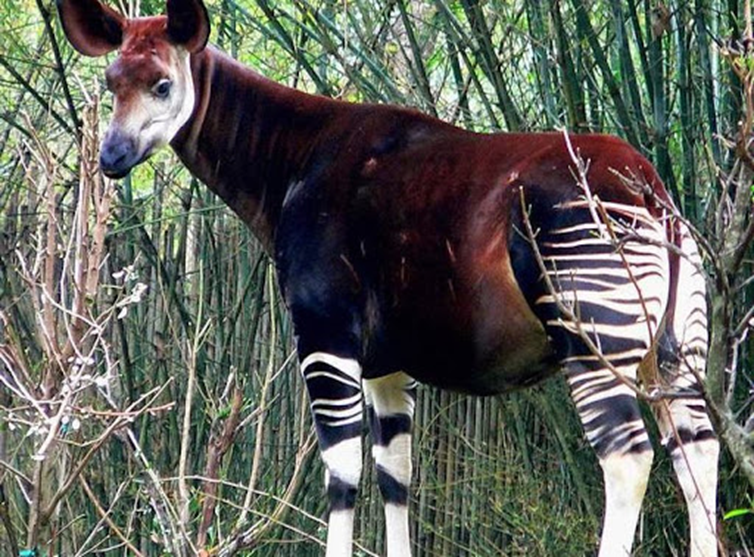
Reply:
x=116, y=175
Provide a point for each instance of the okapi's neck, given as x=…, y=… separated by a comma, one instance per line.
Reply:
x=249, y=138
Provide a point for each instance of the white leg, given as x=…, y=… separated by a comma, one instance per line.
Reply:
x=340, y=533
x=620, y=312
x=696, y=467
x=613, y=425
x=391, y=408
x=688, y=436
x=626, y=477
x=343, y=463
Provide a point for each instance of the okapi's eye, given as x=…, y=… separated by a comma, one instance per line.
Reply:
x=161, y=90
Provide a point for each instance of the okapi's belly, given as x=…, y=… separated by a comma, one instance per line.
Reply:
x=461, y=361
x=476, y=335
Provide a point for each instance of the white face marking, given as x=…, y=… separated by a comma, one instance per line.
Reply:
x=149, y=120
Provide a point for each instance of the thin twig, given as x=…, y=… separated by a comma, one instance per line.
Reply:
x=105, y=516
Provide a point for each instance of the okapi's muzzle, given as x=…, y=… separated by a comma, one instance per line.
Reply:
x=118, y=154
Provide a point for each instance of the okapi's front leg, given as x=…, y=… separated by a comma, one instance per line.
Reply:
x=390, y=404
x=334, y=385
x=325, y=296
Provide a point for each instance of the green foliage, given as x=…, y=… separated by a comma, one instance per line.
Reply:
x=735, y=513
x=741, y=512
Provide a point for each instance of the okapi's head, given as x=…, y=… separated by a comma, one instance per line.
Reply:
x=151, y=78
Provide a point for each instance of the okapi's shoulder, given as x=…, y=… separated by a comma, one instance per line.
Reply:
x=365, y=153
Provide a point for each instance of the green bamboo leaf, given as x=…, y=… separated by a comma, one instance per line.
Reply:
x=735, y=513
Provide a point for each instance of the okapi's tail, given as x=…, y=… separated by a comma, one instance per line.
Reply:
x=682, y=350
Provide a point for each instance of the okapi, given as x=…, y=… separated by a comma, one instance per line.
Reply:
x=407, y=248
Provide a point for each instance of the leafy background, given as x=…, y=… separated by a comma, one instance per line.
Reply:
x=203, y=359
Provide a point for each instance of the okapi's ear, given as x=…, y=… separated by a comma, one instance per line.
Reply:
x=188, y=24
x=91, y=27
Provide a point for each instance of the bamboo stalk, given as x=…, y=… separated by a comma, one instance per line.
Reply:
x=486, y=53
x=585, y=26
x=570, y=81
x=258, y=444
x=190, y=358
x=418, y=60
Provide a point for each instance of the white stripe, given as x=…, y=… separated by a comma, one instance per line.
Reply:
x=579, y=228
x=576, y=243
x=588, y=398
x=634, y=259
x=346, y=413
x=634, y=331
x=589, y=386
x=621, y=208
x=349, y=366
x=395, y=459
x=344, y=422
x=343, y=460
x=333, y=376
x=577, y=273
x=637, y=353
x=626, y=304
x=348, y=401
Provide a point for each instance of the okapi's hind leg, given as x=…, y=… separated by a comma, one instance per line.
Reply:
x=684, y=423
x=613, y=425
x=602, y=308
x=390, y=406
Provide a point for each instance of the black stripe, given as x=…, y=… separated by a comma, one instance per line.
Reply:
x=613, y=411
x=579, y=249
x=392, y=490
x=601, y=383
x=582, y=284
x=702, y=311
x=328, y=435
x=570, y=344
x=323, y=387
x=687, y=437
x=607, y=444
x=700, y=351
x=386, y=428
x=643, y=447
x=599, y=315
x=341, y=495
